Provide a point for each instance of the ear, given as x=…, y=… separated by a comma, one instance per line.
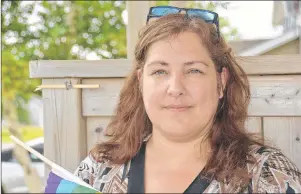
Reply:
x=224, y=76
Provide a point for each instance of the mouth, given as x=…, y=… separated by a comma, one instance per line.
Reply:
x=177, y=108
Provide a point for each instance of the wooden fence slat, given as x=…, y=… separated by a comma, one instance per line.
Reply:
x=285, y=133
x=255, y=65
x=254, y=125
x=95, y=129
x=64, y=126
x=271, y=64
x=101, y=101
x=275, y=95
x=80, y=68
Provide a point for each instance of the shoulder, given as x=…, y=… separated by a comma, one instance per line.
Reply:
x=88, y=169
x=101, y=175
x=274, y=172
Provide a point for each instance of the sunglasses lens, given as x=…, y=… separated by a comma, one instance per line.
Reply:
x=161, y=11
x=207, y=16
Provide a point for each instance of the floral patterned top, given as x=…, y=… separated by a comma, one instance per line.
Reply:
x=273, y=173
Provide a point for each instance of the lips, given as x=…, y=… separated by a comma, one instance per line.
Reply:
x=177, y=107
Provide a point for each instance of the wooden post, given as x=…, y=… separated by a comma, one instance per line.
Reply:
x=299, y=30
x=137, y=13
x=64, y=126
x=300, y=40
x=298, y=23
x=178, y=3
x=152, y=3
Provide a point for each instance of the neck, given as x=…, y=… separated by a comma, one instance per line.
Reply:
x=197, y=148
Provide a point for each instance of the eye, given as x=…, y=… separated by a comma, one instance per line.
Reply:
x=159, y=72
x=195, y=71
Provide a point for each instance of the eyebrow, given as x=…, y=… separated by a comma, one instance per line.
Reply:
x=166, y=64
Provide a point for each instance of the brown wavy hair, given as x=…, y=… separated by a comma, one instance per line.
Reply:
x=229, y=140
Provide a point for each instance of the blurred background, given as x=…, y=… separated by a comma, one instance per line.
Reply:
x=94, y=30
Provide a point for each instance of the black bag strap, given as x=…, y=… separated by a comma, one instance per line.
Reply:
x=136, y=173
x=198, y=185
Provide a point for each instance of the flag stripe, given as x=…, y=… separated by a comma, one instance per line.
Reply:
x=52, y=183
x=56, y=184
x=66, y=187
x=81, y=189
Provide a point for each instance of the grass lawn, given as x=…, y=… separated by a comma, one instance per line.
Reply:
x=28, y=133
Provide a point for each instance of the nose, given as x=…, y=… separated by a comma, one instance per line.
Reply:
x=175, y=86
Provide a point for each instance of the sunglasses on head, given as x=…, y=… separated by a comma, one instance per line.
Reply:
x=206, y=15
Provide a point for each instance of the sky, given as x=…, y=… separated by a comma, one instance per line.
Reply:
x=253, y=19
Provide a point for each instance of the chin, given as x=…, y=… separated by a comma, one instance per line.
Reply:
x=176, y=131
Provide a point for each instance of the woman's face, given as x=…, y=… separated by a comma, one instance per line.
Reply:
x=179, y=86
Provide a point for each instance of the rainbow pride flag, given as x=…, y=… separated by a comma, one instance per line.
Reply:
x=59, y=180
x=57, y=184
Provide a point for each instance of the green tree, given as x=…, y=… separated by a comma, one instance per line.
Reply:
x=60, y=30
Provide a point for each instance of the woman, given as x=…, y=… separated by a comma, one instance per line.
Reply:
x=179, y=123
